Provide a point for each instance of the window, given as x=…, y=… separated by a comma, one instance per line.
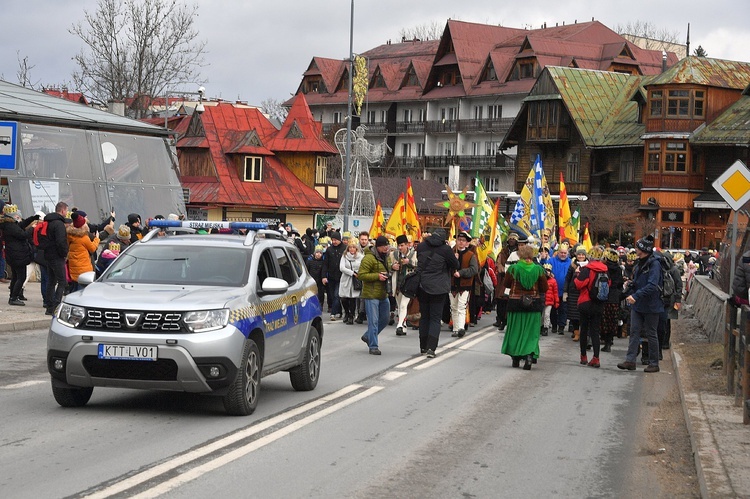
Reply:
x=655, y=103
x=698, y=97
x=298, y=265
x=678, y=102
x=446, y=148
x=490, y=73
x=526, y=70
x=675, y=159
x=672, y=216
x=533, y=111
x=447, y=113
x=266, y=268
x=491, y=183
x=287, y=271
x=573, y=170
x=654, y=156
x=422, y=114
x=337, y=117
x=407, y=115
x=383, y=116
x=371, y=116
x=406, y=150
x=476, y=148
x=411, y=78
x=478, y=112
x=420, y=150
x=253, y=169
x=491, y=147
x=378, y=81
x=321, y=167
x=495, y=111
x=627, y=167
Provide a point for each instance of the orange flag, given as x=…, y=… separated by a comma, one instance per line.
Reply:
x=411, y=217
x=396, y=222
x=586, y=238
x=378, y=223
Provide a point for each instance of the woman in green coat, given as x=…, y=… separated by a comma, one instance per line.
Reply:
x=522, y=331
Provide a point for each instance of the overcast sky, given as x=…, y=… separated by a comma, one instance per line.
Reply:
x=258, y=49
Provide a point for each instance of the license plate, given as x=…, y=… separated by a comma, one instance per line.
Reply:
x=128, y=352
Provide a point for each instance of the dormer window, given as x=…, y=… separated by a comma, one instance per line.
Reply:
x=253, y=170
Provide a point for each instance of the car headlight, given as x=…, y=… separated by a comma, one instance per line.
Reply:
x=71, y=315
x=201, y=321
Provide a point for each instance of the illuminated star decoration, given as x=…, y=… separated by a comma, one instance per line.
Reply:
x=457, y=205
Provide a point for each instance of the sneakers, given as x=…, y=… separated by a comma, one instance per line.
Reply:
x=16, y=301
x=364, y=338
x=629, y=366
x=375, y=351
x=400, y=331
x=594, y=362
x=430, y=354
x=332, y=318
x=360, y=319
x=584, y=360
x=651, y=369
x=50, y=311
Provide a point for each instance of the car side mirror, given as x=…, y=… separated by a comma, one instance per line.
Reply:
x=274, y=286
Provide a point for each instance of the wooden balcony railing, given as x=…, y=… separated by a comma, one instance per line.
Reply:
x=673, y=181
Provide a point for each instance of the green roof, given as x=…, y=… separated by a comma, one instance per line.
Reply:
x=706, y=71
x=732, y=127
x=600, y=104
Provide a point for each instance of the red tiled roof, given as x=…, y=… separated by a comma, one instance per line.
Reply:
x=64, y=94
x=300, y=121
x=231, y=130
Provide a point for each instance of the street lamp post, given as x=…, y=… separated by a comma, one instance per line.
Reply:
x=348, y=172
x=199, y=108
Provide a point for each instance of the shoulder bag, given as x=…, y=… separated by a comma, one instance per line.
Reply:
x=410, y=285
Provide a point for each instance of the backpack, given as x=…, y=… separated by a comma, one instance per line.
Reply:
x=600, y=288
x=40, y=238
x=668, y=286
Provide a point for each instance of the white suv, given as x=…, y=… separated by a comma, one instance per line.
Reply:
x=197, y=313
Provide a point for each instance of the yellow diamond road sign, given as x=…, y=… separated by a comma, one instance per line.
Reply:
x=734, y=185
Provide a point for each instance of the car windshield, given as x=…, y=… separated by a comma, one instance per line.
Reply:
x=181, y=264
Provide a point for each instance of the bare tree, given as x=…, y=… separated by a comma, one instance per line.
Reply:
x=427, y=31
x=24, y=72
x=137, y=48
x=274, y=108
x=609, y=218
x=650, y=33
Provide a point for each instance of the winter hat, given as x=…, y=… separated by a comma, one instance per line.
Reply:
x=336, y=235
x=123, y=232
x=79, y=219
x=173, y=217
x=108, y=254
x=133, y=218
x=381, y=241
x=318, y=249
x=646, y=244
x=402, y=239
x=580, y=250
x=439, y=233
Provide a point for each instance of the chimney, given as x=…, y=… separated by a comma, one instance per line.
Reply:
x=663, y=60
x=116, y=107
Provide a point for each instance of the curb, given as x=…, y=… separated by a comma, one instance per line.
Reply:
x=712, y=474
x=25, y=325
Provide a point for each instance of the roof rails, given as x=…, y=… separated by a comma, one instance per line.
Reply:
x=254, y=229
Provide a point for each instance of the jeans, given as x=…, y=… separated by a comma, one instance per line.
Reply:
x=57, y=281
x=562, y=314
x=431, y=310
x=43, y=284
x=643, y=325
x=333, y=297
x=378, y=315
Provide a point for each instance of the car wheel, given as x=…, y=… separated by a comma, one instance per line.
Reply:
x=72, y=397
x=242, y=398
x=305, y=376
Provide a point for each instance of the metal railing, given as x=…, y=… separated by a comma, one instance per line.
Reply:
x=736, y=359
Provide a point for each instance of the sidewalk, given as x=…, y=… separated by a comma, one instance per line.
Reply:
x=720, y=442
x=31, y=316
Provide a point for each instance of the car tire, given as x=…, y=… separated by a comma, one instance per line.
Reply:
x=242, y=397
x=305, y=376
x=72, y=397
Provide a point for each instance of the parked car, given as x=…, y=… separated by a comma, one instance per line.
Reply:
x=196, y=313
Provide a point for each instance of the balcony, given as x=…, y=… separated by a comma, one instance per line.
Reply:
x=673, y=181
x=443, y=162
x=497, y=126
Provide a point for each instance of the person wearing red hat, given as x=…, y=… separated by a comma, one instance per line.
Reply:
x=81, y=247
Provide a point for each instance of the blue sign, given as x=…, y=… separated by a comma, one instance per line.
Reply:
x=8, y=131
x=355, y=223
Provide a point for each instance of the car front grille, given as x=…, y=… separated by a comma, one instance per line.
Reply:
x=158, y=370
x=133, y=321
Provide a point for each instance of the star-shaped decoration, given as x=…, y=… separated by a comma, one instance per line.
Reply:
x=457, y=205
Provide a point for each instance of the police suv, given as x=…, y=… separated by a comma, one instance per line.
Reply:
x=188, y=312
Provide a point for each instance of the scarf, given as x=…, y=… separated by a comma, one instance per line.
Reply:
x=527, y=273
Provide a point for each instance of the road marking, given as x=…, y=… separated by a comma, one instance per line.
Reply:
x=438, y=359
x=214, y=446
x=227, y=458
x=453, y=344
x=453, y=348
x=23, y=384
x=392, y=375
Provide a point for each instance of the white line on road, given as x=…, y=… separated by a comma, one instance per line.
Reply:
x=23, y=384
x=214, y=446
x=453, y=349
x=391, y=375
x=227, y=458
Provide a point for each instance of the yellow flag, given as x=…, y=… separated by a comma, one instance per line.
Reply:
x=486, y=243
x=586, y=238
x=566, y=222
x=395, y=225
x=378, y=222
x=411, y=217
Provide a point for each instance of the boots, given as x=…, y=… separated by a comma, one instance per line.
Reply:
x=576, y=335
x=560, y=330
x=527, y=364
x=594, y=362
x=545, y=331
x=584, y=360
x=607, y=347
x=360, y=318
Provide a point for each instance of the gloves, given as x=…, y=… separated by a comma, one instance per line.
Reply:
x=565, y=297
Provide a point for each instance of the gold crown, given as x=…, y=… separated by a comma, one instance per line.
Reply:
x=113, y=246
x=9, y=209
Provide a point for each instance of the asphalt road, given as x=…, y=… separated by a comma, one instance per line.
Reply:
x=464, y=424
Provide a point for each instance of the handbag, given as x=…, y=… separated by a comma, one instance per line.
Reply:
x=356, y=283
x=410, y=285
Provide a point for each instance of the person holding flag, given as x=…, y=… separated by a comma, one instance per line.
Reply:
x=462, y=283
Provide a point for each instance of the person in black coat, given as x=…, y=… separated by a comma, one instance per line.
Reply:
x=315, y=268
x=17, y=250
x=55, y=253
x=611, y=309
x=332, y=273
x=436, y=262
